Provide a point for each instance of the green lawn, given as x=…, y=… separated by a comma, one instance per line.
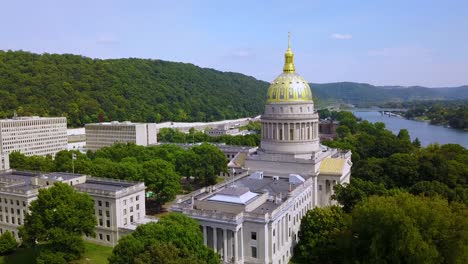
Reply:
x=95, y=254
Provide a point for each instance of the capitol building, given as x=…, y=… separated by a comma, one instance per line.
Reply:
x=255, y=216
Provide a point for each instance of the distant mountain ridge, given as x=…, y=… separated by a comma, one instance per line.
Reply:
x=363, y=94
x=142, y=90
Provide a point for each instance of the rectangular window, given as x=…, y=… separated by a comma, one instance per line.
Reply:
x=107, y=213
x=107, y=204
x=125, y=202
x=108, y=223
x=137, y=206
x=100, y=203
x=137, y=197
x=100, y=212
x=100, y=236
x=254, y=252
x=17, y=202
x=100, y=221
x=125, y=220
x=125, y=211
x=291, y=134
x=253, y=235
x=24, y=203
x=108, y=237
x=131, y=219
x=131, y=209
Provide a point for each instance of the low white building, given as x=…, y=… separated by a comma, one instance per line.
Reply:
x=119, y=205
x=33, y=135
x=99, y=135
x=221, y=130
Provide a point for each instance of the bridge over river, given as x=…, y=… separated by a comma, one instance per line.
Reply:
x=376, y=110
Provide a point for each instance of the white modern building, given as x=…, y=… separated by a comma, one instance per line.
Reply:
x=119, y=205
x=99, y=135
x=33, y=135
x=255, y=217
x=221, y=130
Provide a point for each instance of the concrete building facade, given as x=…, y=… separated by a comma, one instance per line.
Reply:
x=99, y=135
x=255, y=217
x=119, y=205
x=33, y=135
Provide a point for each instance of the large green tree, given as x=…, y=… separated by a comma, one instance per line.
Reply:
x=407, y=229
x=174, y=239
x=58, y=219
x=161, y=178
x=8, y=243
x=318, y=234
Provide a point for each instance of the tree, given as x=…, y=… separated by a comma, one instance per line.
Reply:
x=407, y=229
x=8, y=243
x=58, y=219
x=176, y=238
x=212, y=161
x=402, y=169
x=161, y=178
x=358, y=190
x=318, y=233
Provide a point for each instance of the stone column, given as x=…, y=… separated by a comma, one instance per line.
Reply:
x=215, y=239
x=225, y=247
x=204, y=236
x=235, y=253
x=282, y=131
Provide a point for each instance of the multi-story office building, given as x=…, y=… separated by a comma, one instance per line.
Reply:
x=33, y=135
x=99, y=135
x=255, y=217
x=119, y=205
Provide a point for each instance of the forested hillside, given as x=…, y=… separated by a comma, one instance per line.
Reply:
x=89, y=90
x=364, y=95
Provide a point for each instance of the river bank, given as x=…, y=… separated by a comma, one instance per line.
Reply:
x=424, y=131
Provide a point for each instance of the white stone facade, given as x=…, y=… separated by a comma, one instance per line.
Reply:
x=33, y=135
x=99, y=135
x=119, y=205
x=255, y=217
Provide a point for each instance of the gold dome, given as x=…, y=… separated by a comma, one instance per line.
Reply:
x=289, y=86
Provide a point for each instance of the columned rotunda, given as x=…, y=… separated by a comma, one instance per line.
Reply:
x=290, y=123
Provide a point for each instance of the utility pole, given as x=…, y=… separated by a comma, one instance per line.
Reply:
x=73, y=162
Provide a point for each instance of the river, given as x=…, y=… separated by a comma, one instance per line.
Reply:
x=425, y=132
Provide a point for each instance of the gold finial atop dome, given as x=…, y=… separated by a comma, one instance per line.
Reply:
x=289, y=86
x=289, y=58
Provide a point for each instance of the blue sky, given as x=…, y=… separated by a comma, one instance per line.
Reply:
x=380, y=42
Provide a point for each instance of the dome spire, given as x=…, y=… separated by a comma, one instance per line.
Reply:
x=289, y=58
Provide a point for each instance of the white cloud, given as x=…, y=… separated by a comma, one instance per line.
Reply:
x=243, y=53
x=106, y=40
x=341, y=36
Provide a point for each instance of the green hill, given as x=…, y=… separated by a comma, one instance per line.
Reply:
x=90, y=90
x=87, y=90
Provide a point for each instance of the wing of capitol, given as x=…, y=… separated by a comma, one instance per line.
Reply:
x=254, y=217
